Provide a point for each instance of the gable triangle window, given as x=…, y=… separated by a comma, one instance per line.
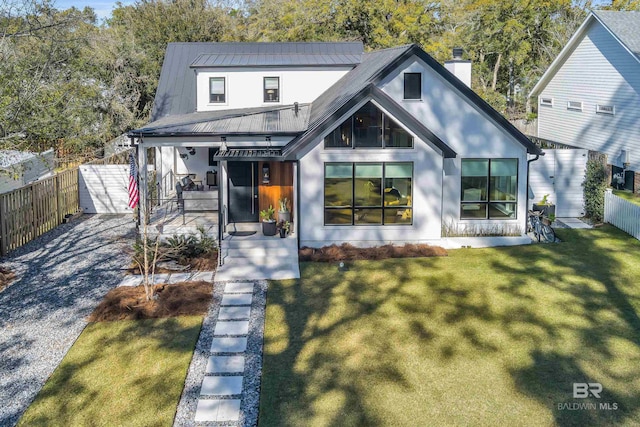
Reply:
x=369, y=127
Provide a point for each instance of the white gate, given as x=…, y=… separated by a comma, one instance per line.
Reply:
x=104, y=188
x=560, y=174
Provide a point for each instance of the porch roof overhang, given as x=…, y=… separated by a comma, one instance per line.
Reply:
x=249, y=154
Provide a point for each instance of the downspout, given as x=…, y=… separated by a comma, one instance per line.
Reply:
x=527, y=189
x=297, y=219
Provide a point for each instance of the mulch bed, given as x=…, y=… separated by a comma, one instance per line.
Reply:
x=347, y=252
x=201, y=263
x=6, y=277
x=129, y=303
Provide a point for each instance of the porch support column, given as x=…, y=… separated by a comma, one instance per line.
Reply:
x=222, y=188
x=294, y=202
x=142, y=183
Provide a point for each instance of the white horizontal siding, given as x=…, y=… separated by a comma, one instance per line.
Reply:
x=104, y=188
x=598, y=71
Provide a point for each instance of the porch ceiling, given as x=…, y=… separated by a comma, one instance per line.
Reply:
x=249, y=154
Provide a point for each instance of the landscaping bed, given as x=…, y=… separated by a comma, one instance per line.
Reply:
x=6, y=277
x=347, y=252
x=129, y=302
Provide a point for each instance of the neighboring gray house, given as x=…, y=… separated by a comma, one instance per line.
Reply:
x=19, y=168
x=370, y=147
x=590, y=95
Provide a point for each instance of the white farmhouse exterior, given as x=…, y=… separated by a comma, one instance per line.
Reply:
x=590, y=95
x=370, y=148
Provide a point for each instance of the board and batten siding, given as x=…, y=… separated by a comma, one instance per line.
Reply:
x=598, y=71
x=467, y=130
x=104, y=189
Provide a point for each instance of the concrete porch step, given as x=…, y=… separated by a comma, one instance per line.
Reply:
x=259, y=260
x=259, y=251
x=242, y=271
x=255, y=240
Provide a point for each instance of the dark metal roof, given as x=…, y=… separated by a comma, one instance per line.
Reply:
x=176, y=93
x=624, y=24
x=246, y=121
x=248, y=154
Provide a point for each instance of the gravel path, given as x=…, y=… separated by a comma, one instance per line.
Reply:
x=61, y=277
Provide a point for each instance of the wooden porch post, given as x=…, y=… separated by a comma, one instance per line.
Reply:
x=142, y=182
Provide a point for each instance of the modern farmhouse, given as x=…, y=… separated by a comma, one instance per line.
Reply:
x=374, y=147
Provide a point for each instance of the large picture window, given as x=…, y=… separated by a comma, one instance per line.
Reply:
x=368, y=193
x=217, y=90
x=369, y=128
x=489, y=188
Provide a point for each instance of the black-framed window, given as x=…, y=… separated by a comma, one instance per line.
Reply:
x=271, y=89
x=368, y=193
x=217, y=90
x=412, y=85
x=489, y=189
x=369, y=127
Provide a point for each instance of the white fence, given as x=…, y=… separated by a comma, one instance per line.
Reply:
x=621, y=213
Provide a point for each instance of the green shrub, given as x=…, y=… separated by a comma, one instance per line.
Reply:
x=595, y=184
x=191, y=246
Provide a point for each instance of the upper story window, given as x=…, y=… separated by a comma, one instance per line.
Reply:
x=412, y=85
x=574, y=105
x=369, y=128
x=272, y=89
x=605, y=109
x=217, y=93
x=546, y=101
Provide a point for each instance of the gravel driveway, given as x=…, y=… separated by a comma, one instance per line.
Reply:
x=61, y=277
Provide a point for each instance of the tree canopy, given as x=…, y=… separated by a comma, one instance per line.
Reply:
x=70, y=82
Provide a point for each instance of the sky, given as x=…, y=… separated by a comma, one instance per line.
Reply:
x=102, y=8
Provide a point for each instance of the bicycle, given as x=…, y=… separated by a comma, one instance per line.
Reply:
x=539, y=228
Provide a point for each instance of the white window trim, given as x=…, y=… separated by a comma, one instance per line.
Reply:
x=226, y=90
x=574, y=107
x=547, y=102
x=421, y=86
x=600, y=110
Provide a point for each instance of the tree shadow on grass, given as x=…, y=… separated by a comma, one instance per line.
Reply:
x=539, y=318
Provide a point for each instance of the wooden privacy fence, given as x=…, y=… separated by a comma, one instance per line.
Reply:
x=621, y=213
x=32, y=210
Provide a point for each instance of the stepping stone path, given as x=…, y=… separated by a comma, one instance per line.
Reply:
x=223, y=398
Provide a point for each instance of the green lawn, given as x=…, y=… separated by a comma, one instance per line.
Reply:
x=483, y=337
x=628, y=195
x=124, y=373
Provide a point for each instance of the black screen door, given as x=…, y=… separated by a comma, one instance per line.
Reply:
x=243, y=191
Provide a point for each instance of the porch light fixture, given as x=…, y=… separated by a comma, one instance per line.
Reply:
x=266, y=173
x=626, y=158
x=223, y=143
x=191, y=150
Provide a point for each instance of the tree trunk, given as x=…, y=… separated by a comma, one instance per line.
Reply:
x=496, y=68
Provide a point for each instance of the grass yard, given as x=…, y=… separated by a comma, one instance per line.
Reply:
x=628, y=196
x=482, y=337
x=119, y=373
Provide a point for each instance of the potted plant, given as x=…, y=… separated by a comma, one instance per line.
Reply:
x=548, y=220
x=545, y=206
x=283, y=228
x=268, y=221
x=283, y=213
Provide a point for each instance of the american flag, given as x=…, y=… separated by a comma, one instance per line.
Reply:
x=133, y=182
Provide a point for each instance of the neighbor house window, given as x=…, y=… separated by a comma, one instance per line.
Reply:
x=272, y=89
x=574, y=105
x=217, y=93
x=489, y=188
x=546, y=101
x=368, y=193
x=412, y=85
x=369, y=128
x=605, y=109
